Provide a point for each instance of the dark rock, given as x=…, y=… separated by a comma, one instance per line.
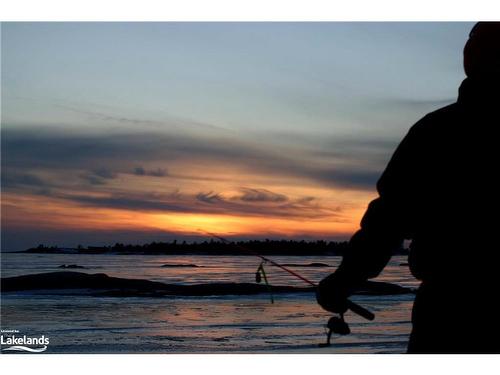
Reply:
x=116, y=286
x=102, y=284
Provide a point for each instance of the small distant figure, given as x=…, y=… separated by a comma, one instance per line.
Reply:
x=440, y=190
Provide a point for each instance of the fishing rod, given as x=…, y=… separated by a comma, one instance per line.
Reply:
x=264, y=259
x=335, y=324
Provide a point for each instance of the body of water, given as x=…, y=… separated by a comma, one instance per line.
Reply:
x=294, y=323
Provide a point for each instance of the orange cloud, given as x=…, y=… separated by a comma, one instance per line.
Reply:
x=32, y=211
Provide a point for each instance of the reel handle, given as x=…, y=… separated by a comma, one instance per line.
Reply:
x=360, y=310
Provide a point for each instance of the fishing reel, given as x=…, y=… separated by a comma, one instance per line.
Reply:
x=336, y=324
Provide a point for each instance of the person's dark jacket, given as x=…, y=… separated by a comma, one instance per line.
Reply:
x=440, y=191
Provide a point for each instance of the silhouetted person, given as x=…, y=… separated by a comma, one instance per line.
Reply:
x=440, y=190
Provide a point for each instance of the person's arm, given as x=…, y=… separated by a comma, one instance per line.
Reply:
x=386, y=223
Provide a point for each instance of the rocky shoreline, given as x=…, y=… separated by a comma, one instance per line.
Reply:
x=100, y=284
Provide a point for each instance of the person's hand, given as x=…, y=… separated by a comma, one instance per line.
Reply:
x=332, y=293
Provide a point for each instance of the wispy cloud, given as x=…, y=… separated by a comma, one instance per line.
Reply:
x=46, y=149
x=170, y=122
x=210, y=197
x=13, y=179
x=99, y=176
x=261, y=195
x=203, y=203
x=159, y=172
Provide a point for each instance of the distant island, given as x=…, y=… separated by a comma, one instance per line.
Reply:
x=212, y=247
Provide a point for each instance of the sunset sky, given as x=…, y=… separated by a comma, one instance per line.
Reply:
x=136, y=132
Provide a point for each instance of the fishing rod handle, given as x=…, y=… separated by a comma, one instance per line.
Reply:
x=361, y=311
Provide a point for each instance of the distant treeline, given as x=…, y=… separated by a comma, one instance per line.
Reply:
x=212, y=247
